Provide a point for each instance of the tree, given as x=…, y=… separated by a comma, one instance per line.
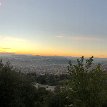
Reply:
x=56, y=100
x=15, y=89
x=87, y=83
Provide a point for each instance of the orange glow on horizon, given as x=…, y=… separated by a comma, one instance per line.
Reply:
x=15, y=45
x=46, y=53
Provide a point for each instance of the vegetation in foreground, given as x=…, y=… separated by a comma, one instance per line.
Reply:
x=84, y=86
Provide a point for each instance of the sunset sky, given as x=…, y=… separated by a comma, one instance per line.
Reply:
x=54, y=27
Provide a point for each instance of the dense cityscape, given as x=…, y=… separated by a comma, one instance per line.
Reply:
x=44, y=64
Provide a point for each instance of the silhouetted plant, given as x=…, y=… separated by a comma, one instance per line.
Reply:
x=86, y=86
x=15, y=89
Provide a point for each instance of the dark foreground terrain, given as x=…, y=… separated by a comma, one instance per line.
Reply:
x=84, y=85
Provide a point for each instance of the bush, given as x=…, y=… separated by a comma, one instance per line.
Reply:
x=15, y=89
x=87, y=84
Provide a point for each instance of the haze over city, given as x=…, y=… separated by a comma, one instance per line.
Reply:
x=54, y=27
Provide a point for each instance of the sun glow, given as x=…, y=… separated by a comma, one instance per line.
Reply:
x=21, y=46
x=12, y=44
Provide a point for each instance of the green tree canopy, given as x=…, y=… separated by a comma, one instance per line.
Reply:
x=87, y=83
x=15, y=89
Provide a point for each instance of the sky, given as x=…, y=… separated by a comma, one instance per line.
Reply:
x=54, y=27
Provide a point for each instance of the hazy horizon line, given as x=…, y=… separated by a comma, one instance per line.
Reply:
x=12, y=53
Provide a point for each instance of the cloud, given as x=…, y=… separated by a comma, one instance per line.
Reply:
x=11, y=38
x=10, y=42
x=6, y=48
x=8, y=38
x=86, y=38
x=81, y=37
x=60, y=36
x=15, y=44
